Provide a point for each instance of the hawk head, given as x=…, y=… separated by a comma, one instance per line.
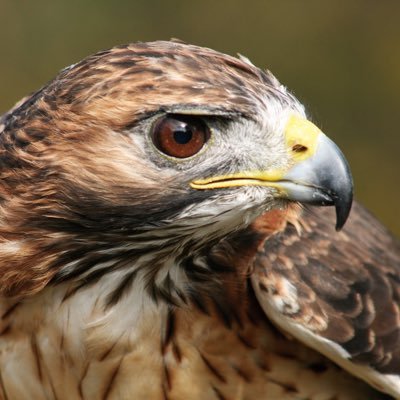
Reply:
x=139, y=156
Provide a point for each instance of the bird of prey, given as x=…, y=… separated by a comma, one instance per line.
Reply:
x=161, y=238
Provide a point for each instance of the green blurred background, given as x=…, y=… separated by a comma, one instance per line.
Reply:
x=340, y=57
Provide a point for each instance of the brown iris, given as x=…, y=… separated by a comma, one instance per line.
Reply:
x=180, y=136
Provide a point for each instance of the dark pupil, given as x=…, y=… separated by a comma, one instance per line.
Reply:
x=183, y=135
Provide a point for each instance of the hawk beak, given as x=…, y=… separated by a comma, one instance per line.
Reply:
x=319, y=174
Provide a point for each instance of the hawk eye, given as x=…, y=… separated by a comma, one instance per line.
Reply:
x=180, y=136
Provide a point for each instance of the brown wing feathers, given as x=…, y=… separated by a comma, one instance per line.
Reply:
x=346, y=284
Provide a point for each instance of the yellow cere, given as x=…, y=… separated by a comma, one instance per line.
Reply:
x=301, y=132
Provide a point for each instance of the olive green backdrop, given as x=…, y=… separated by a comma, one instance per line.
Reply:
x=340, y=57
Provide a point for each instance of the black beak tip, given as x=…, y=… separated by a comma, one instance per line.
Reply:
x=340, y=182
x=343, y=208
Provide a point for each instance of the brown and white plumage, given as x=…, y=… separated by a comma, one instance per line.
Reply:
x=129, y=273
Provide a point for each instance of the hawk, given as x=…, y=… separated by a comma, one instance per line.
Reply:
x=158, y=240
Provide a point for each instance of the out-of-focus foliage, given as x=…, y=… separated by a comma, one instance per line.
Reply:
x=341, y=58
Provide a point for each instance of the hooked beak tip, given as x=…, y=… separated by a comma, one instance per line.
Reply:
x=343, y=208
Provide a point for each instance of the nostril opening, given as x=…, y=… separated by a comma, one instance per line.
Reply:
x=299, y=148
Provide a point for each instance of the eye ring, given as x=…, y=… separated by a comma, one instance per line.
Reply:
x=180, y=136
